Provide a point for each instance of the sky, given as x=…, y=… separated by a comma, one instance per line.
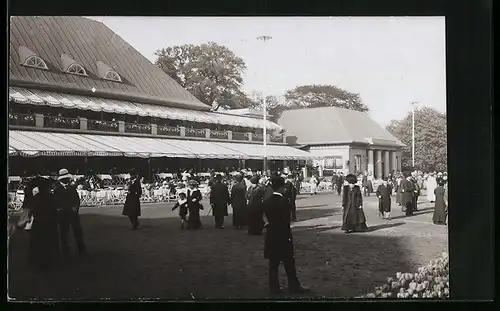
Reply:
x=389, y=61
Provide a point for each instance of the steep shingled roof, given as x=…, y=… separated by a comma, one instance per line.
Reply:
x=87, y=41
x=329, y=125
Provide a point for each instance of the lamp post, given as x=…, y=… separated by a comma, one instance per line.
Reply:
x=264, y=119
x=413, y=133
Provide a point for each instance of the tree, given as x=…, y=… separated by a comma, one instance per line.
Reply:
x=211, y=72
x=312, y=96
x=430, y=139
x=273, y=106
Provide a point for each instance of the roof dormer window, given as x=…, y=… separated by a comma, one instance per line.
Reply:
x=112, y=76
x=35, y=62
x=29, y=58
x=76, y=69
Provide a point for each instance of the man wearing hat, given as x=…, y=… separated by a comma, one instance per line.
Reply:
x=278, y=246
x=291, y=196
x=67, y=202
x=219, y=199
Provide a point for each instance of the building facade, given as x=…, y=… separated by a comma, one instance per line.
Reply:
x=343, y=140
x=76, y=89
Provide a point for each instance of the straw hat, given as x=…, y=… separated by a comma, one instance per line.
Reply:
x=64, y=174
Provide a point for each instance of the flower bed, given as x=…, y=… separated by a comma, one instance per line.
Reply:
x=431, y=281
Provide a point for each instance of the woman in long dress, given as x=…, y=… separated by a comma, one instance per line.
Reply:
x=314, y=185
x=440, y=207
x=353, y=217
x=397, y=188
x=239, y=202
x=255, y=197
x=194, y=205
x=384, y=192
x=431, y=186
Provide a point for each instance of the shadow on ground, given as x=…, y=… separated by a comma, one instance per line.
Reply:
x=162, y=261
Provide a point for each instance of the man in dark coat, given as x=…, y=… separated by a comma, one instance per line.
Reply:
x=416, y=193
x=340, y=183
x=291, y=196
x=278, y=245
x=132, y=206
x=384, y=192
x=239, y=202
x=219, y=199
x=43, y=249
x=67, y=201
x=335, y=177
x=408, y=191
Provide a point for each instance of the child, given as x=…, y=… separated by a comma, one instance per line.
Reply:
x=183, y=208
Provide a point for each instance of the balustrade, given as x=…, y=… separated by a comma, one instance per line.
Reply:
x=105, y=126
x=218, y=134
x=192, y=132
x=21, y=119
x=240, y=136
x=38, y=120
x=168, y=130
x=137, y=128
x=61, y=122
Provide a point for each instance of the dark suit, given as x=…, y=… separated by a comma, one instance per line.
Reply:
x=291, y=196
x=408, y=190
x=219, y=199
x=67, y=203
x=132, y=206
x=340, y=182
x=278, y=245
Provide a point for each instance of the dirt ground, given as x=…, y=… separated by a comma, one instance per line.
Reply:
x=161, y=261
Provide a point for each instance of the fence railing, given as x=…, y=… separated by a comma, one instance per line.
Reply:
x=137, y=128
x=168, y=130
x=218, y=134
x=22, y=119
x=190, y=132
x=106, y=126
x=241, y=136
x=258, y=137
x=61, y=122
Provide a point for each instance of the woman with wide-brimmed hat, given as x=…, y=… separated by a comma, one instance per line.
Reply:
x=353, y=217
x=194, y=205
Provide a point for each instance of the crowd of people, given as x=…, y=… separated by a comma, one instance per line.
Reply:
x=259, y=204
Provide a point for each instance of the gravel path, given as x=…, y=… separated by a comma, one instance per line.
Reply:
x=162, y=261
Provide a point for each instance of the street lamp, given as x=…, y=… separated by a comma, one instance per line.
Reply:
x=413, y=133
x=264, y=120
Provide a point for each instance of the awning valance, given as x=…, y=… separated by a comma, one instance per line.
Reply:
x=53, y=99
x=34, y=143
x=274, y=152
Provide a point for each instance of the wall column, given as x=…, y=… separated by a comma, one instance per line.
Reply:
x=370, y=161
x=378, y=158
x=387, y=164
x=394, y=164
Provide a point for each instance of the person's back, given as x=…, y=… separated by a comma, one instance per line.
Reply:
x=277, y=213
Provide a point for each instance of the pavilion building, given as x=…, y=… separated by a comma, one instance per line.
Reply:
x=343, y=140
x=80, y=95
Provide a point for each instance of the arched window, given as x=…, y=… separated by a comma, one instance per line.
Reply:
x=113, y=76
x=77, y=69
x=35, y=62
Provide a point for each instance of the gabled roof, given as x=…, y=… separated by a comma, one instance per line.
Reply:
x=86, y=42
x=331, y=125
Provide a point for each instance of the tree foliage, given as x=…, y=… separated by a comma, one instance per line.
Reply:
x=430, y=139
x=211, y=72
x=311, y=96
x=273, y=105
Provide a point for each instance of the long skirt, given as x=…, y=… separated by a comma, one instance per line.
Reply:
x=194, y=221
x=255, y=221
x=314, y=188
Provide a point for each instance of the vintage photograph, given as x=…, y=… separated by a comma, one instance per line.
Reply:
x=200, y=158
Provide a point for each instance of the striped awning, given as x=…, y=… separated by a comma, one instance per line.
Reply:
x=273, y=152
x=35, y=143
x=53, y=99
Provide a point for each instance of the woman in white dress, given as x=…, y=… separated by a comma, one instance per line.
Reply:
x=314, y=185
x=431, y=186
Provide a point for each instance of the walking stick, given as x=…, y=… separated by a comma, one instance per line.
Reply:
x=211, y=207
